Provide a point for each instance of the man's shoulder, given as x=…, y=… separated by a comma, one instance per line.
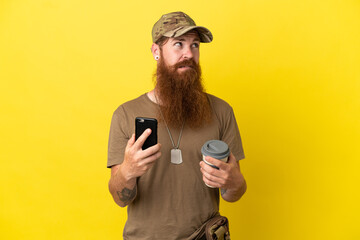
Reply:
x=218, y=103
x=131, y=104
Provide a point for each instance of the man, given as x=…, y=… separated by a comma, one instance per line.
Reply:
x=169, y=198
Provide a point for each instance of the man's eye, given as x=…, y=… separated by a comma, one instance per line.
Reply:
x=195, y=45
x=178, y=44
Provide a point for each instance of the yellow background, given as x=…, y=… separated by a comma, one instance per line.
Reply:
x=290, y=69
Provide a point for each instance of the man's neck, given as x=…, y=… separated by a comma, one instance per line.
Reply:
x=154, y=98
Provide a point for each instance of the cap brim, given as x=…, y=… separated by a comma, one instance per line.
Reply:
x=204, y=33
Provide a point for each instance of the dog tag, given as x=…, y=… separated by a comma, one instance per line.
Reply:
x=176, y=157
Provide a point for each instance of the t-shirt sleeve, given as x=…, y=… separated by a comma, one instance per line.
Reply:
x=231, y=135
x=117, y=138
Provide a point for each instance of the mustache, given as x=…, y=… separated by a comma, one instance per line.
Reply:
x=185, y=63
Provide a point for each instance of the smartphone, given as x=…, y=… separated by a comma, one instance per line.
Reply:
x=141, y=124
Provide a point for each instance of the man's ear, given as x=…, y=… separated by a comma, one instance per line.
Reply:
x=155, y=49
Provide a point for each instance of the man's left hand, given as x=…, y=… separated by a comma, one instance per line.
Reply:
x=228, y=176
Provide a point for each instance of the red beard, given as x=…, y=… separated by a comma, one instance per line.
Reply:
x=182, y=95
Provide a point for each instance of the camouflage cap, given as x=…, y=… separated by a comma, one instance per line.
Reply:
x=176, y=24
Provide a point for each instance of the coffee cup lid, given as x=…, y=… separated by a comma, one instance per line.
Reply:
x=216, y=149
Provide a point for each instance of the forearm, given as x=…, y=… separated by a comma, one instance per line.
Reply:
x=234, y=194
x=122, y=188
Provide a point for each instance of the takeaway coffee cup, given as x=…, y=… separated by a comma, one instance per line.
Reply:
x=216, y=149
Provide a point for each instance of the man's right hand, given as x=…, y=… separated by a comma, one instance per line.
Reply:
x=137, y=161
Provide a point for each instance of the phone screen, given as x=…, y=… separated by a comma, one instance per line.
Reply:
x=143, y=123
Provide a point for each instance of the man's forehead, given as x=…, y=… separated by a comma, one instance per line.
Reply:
x=194, y=35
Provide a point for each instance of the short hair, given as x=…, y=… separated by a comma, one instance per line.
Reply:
x=162, y=41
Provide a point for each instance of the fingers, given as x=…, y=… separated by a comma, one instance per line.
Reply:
x=216, y=177
x=151, y=150
x=131, y=141
x=150, y=154
x=146, y=163
x=216, y=162
x=140, y=141
x=135, y=152
x=145, y=156
x=219, y=173
x=138, y=162
x=228, y=175
x=211, y=179
x=150, y=159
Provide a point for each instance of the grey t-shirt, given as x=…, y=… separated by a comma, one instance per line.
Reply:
x=172, y=200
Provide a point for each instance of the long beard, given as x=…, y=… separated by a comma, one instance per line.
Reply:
x=182, y=95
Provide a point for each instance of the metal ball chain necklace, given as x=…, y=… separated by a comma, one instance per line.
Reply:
x=176, y=157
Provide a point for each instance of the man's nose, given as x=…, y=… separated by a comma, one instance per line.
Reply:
x=188, y=54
